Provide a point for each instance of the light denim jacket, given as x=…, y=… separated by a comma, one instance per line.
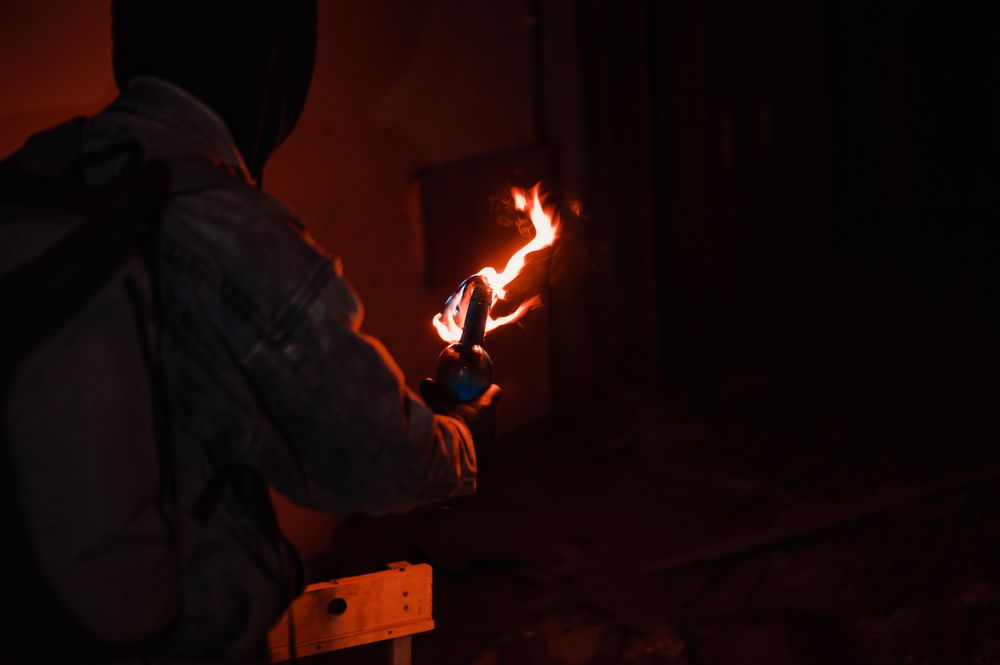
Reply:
x=266, y=368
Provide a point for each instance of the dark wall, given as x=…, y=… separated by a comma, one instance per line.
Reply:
x=796, y=193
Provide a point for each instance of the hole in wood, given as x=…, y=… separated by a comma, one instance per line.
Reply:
x=336, y=607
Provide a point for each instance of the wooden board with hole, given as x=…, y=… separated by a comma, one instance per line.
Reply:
x=355, y=610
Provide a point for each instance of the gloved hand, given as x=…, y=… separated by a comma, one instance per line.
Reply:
x=479, y=414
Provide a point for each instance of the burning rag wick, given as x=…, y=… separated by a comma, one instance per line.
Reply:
x=450, y=321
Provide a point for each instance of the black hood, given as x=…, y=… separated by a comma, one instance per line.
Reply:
x=251, y=62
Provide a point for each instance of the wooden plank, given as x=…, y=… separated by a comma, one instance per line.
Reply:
x=356, y=610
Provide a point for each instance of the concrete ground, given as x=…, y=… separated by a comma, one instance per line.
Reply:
x=769, y=525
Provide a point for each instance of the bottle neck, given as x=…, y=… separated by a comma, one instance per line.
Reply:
x=477, y=312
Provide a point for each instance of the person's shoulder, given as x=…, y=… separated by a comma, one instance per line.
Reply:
x=242, y=208
x=247, y=245
x=239, y=220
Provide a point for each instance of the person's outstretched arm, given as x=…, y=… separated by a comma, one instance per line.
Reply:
x=357, y=438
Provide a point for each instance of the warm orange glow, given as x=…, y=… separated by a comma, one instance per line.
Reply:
x=546, y=223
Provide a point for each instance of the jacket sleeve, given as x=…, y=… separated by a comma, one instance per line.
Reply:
x=355, y=437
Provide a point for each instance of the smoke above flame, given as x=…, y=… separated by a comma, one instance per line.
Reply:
x=546, y=225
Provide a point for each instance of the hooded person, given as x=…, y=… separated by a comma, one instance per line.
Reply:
x=268, y=381
x=251, y=63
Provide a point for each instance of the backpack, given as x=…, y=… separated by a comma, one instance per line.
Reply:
x=88, y=497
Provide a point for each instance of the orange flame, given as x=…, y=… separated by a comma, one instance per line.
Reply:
x=546, y=224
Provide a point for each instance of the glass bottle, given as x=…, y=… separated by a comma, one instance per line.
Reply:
x=464, y=367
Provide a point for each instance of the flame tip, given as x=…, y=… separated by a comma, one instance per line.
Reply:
x=546, y=226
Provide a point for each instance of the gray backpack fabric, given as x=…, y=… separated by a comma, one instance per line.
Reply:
x=87, y=485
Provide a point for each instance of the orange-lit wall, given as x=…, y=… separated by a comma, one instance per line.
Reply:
x=55, y=62
x=398, y=86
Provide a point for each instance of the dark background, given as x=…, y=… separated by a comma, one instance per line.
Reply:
x=755, y=422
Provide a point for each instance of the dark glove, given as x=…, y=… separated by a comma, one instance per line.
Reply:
x=479, y=414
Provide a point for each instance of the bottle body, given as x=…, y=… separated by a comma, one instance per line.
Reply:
x=466, y=370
